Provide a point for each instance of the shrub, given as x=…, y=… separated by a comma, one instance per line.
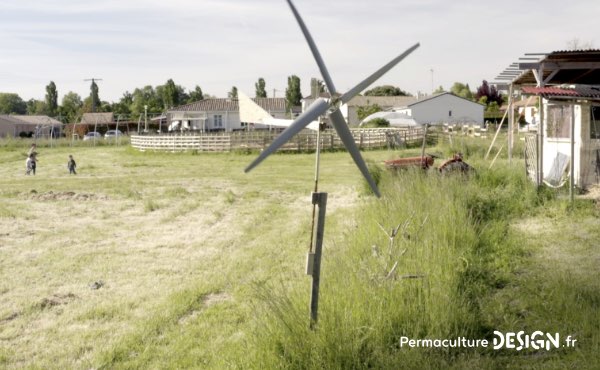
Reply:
x=377, y=122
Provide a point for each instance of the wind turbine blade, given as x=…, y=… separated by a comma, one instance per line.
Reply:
x=346, y=136
x=372, y=78
x=316, y=109
x=314, y=50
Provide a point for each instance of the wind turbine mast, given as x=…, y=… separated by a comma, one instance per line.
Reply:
x=330, y=108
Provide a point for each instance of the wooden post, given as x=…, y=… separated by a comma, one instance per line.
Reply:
x=423, y=160
x=572, y=164
x=541, y=143
x=511, y=117
x=495, y=136
x=319, y=199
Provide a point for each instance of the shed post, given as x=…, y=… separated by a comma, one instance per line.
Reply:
x=541, y=143
x=511, y=116
x=572, y=161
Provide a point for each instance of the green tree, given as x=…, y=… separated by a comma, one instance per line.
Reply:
x=170, y=94
x=11, y=103
x=293, y=94
x=489, y=92
x=462, y=90
x=316, y=87
x=51, y=99
x=439, y=90
x=36, y=107
x=233, y=93
x=123, y=106
x=94, y=96
x=146, y=96
x=377, y=122
x=195, y=95
x=386, y=90
x=366, y=111
x=70, y=107
x=260, y=88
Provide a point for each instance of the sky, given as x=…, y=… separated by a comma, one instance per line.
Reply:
x=217, y=44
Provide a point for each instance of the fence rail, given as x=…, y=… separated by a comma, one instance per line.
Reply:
x=258, y=140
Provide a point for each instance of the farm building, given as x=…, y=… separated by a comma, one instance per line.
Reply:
x=29, y=126
x=444, y=108
x=567, y=84
x=219, y=114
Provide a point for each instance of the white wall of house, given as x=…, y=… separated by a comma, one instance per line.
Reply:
x=230, y=120
x=446, y=108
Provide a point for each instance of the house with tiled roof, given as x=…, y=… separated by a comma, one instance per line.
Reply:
x=217, y=114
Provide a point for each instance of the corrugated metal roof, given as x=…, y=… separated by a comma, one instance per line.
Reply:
x=94, y=118
x=442, y=94
x=231, y=105
x=561, y=67
x=39, y=120
x=8, y=119
x=28, y=120
x=382, y=101
x=582, y=92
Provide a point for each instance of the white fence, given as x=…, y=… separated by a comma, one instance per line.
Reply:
x=258, y=140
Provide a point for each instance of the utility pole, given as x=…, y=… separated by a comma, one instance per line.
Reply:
x=274, y=91
x=93, y=83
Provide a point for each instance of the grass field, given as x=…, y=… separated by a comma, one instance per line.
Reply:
x=147, y=260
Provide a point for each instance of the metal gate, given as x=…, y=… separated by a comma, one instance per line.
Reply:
x=531, y=156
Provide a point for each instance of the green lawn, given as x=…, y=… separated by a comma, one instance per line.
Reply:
x=162, y=260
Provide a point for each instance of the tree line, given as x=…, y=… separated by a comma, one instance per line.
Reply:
x=132, y=104
x=163, y=97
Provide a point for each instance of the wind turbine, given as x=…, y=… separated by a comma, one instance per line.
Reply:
x=330, y=107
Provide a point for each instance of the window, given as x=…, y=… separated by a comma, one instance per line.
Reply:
x=559, y=121
x=595, y=122
x=217, y=120
x=449, y=113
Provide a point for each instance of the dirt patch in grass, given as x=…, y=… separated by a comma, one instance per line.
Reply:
x=63, y=195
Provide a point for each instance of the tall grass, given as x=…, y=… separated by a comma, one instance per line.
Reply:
x=451, y=246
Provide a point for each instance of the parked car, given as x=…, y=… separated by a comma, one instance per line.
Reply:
x=92, y=135
x=112, y=134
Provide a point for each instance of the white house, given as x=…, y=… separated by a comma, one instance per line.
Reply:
x=444, y=108
x=219, y=114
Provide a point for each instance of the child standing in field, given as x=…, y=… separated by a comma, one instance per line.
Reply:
x=30, y=164
x=71, y=165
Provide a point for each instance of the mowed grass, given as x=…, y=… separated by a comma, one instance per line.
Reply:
x=162, y=260
x=168, y=238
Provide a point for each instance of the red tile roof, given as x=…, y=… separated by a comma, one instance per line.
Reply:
x=231, y=105
x=583, y=92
